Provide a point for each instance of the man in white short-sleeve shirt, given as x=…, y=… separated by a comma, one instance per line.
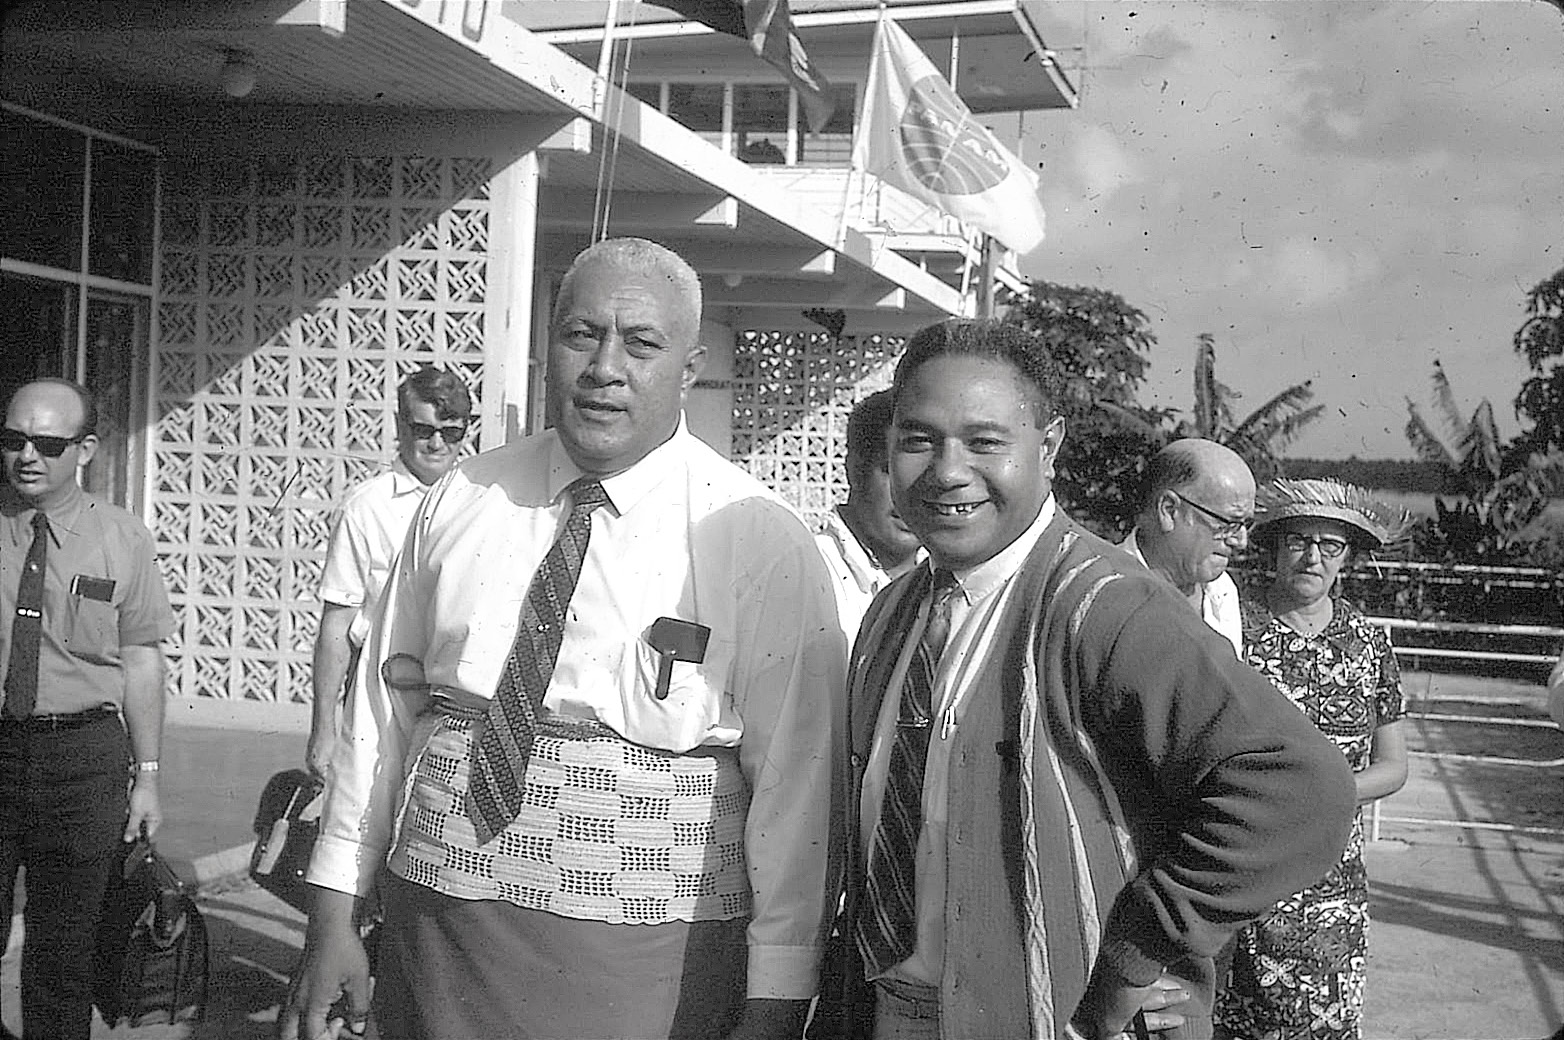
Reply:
x=432, y=415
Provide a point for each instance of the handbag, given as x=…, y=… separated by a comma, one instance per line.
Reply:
x=151, y=962
x=287, y=822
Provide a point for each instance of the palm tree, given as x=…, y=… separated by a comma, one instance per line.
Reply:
x=1259, y=438
x=1501, y=498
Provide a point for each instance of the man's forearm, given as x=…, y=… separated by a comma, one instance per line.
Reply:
x=143, y=707
x=329, y=671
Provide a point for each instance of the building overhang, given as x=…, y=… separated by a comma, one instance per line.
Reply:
x=1002, y=62
x=608, y=161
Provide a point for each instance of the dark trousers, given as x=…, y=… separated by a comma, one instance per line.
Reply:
x=63, y=804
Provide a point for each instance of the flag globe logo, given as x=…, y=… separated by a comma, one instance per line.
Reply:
x=944, y=149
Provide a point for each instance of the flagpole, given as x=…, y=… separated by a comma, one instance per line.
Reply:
x=985, y=300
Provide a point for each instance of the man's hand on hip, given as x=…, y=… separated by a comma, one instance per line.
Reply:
x=1108, y=1011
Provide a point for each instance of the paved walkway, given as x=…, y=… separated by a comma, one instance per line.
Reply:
x=1467, y=939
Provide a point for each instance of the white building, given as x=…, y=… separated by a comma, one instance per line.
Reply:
x=242, y=222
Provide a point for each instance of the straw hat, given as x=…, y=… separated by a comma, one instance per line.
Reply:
x=1374, y=522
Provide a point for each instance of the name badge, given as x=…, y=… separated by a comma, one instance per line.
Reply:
x=101, y=589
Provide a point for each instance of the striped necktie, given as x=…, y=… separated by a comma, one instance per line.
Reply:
x=499, y=762
x=887, y=925
x=21, y=676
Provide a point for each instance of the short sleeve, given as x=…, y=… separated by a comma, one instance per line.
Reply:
x=1389, y=695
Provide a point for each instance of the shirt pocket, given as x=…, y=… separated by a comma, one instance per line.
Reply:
x=93, y=625
x=695, y=701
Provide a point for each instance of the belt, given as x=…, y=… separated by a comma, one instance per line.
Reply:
x=56, y=723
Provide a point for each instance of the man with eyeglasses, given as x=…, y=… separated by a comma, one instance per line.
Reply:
x=82, y=613
x=1195, y=514
x=433, y=413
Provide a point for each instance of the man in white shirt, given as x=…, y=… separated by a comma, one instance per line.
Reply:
x=1067, y=791
x=433, y=413
x=593, y=733
x=1195, y=514
x=863, y=541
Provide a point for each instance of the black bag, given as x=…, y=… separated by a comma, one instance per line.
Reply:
x=150, y=964
x=287, y=821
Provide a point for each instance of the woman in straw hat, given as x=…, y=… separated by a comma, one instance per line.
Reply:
x=1298, y=971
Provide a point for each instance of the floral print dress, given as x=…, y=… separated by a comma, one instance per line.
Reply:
x=1297, y=972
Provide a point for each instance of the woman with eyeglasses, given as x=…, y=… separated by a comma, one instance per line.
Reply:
x=1298, y=971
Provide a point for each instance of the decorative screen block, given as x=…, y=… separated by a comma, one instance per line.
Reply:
x=792, y=394
x=295, y=291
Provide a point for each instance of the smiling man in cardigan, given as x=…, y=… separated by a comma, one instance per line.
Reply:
x=1067, y=790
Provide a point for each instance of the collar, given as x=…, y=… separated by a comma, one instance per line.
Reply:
x=981, y=581
x=863, y=570
x=629, y=486
x=402, y=480
x=66, y=516
x=1131, y=545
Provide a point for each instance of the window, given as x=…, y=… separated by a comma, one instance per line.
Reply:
x=760, y=123
x=699, y=106
x=833, y=145
x=40, y=192
x=73, y=305
x=760, y=120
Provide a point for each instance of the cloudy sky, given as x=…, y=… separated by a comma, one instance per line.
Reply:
x=1338, y=191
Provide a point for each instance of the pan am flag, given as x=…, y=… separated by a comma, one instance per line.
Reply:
x=919, y=136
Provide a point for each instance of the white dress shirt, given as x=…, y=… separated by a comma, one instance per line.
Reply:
x=973, y=632
x=686, y=535
x=370, y=529
x=858, y=578
x=1218, y=601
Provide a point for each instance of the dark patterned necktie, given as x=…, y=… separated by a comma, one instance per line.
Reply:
x=499, y=762
x=21, y=677
x=887, y=926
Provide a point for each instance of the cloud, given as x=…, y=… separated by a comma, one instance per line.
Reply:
x=1311, y=274
x=1099, y=165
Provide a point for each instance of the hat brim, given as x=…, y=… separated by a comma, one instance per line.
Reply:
x=1372, y=534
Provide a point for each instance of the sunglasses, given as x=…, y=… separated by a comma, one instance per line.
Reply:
x=48, y=447
x=423, y=431
x=1329, y=548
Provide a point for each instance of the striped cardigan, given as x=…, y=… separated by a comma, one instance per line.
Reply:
x=1123, y=793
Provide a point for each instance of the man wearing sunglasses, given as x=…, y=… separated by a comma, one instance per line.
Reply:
x=1196, y=513
x=82, y=613
x=433, y=413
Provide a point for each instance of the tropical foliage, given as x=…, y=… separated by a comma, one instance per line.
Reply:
x=1259, y=437
x=1100, y=344
x=1540, y=339
x=1501, y=491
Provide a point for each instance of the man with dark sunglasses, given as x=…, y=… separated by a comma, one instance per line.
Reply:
x=433, y=414
x=1196, y=513
x=82, y=613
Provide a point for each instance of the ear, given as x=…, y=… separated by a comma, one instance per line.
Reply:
x=1053, y=440
x=694, y=365
x=87, y=449
x=1167, y=511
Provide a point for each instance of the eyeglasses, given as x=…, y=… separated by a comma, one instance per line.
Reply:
x=48, y=447
x=423, y=431
x=1329, y=548
x=1224, y=526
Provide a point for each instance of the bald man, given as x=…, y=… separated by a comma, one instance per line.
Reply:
x=1195, y=514
x=82, y=613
